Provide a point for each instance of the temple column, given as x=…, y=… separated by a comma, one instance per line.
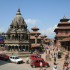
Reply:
x=24, y=36
x=10, y=37
x=28, y=48
x=25, y=47
x=14, y=48
x=35, y=41
x=36, y=38
x=7, y=47
x=20, y=36
x=21, y=47
x=18, y=48
x=11, y=48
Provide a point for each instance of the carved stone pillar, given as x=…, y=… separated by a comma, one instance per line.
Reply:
x=18, y=37
x=36, y=39
x=21, y=37
x=25, y=47
x=18, y=48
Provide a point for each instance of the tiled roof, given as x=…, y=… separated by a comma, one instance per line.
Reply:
x=47, y=41
x=63, y=27
x=61, y=35
x=64, y=23
x=35, y=45
x=42, y=36
x=35, y=28
x=66, y=39
x=33, y=37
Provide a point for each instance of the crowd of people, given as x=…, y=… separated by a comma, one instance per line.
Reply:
x=55, y=53
x=66, y=62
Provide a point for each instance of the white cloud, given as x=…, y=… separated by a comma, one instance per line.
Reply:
x=31, y=21
x=50, y=31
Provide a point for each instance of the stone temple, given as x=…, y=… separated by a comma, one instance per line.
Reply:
x=17, y=36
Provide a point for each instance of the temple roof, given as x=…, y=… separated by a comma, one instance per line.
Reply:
x=42, y=36
x=18, y=19
x=33, y=37
x=64, y=24
x=18, y=24
x=8, y=30
x=61, y=35
x=62, y=28
x=46, y=41
x=66, y=39
x=45, y=36
x=35, y=45
x=35, y=28
x=64, y=19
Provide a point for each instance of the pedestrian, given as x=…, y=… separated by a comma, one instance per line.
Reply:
x=65, y=65
x=41, y=65
x=46, y=51
x=55, y=67
x=65, y=68
x=67, y=56
x=27, y=60
x=54, y=59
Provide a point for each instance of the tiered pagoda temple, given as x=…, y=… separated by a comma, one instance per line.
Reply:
x=35, y=39
x=62, y=31
x=46, y=41
x=18, y=34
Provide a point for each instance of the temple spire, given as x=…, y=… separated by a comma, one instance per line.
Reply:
x=64, y=19
x=18, y=12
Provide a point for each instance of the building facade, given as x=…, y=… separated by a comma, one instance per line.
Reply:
x=35, y=39
x=17, y=36
x=66, y=43
x=62, y=31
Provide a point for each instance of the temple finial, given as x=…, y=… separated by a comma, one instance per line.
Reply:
x=64, y=17
x=18, y=12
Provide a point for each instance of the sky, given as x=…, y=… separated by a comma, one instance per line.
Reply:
x=44, y=14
